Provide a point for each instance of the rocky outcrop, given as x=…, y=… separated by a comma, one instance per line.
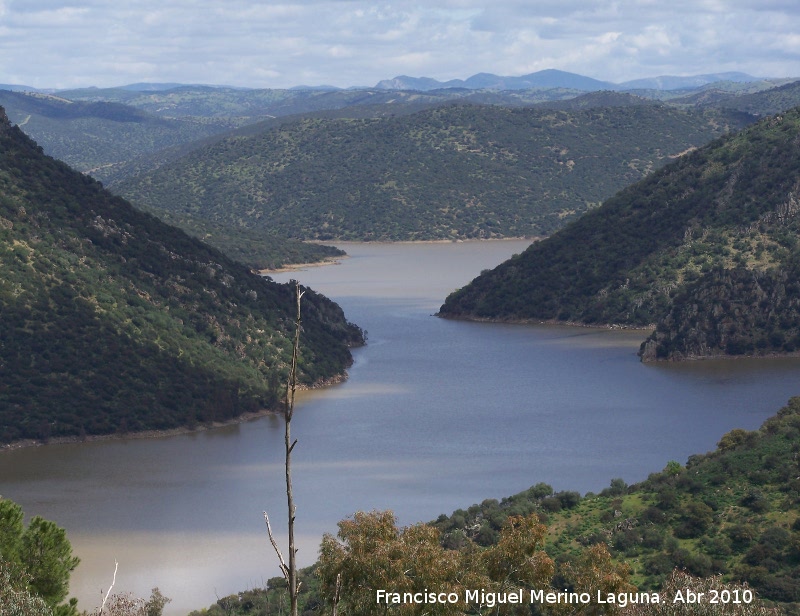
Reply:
x=731, y=312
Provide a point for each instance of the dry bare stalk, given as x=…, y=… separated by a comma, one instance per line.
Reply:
x=336, y=594
x=284, y=568
x=290, y=571
x=113, y=581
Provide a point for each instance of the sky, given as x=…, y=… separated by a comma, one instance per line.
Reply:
x=78, y=43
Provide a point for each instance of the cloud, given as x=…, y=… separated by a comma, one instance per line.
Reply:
x=65, y=43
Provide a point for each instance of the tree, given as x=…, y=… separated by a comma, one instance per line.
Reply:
x=124, y=604
x=710, y=587
x=15, y=598
x=596, y=573
x=40, y=554
x=371, y=554
x=290, y=570
x=11, y=529
x=518, y=560
x=47, y=556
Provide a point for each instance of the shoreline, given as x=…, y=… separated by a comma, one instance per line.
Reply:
x=154, y=434
x=445, y=241
x=144, y=434
x=291, y=267
x=643, y=328
x=722, y=356
x=617, y=326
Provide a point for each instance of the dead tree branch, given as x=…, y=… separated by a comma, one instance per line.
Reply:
x=113, y=581
x=290, y=570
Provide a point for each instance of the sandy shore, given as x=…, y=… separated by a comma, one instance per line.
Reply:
x=301, y=266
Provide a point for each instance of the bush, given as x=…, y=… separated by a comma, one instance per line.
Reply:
x=617, y=488
x=551, y=504
x=755, y=501
x=569, y=499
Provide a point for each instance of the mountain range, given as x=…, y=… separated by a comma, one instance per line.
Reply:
x=552, y=78
x=547, y=78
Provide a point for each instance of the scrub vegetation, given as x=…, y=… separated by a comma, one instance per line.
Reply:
x=114, y=322
x=450, y=172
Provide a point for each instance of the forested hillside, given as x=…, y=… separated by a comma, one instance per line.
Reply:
x=92, y=135
x=115, y=322
x=451, y=172
x=105, y=139
x=711, y=240
x=764, y=103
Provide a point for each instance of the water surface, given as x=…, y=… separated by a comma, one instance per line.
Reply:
x=436, y=415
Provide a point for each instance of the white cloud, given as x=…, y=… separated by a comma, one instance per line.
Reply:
x=64, y=43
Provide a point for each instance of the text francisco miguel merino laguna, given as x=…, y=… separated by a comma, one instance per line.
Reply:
x=490, y=599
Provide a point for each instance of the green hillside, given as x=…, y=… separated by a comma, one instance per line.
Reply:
x=115, y=322
x=673, y=244
x=220, y=102
x=450, y=172
x=106, y=139
x=92, y=135
x=763, y=103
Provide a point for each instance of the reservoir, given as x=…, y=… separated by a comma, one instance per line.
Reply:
x=436, y=415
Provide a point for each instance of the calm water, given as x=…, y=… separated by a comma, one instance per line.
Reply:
x=436, y=415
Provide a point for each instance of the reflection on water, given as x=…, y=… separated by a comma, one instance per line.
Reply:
x=436, y=415
x=372, y=390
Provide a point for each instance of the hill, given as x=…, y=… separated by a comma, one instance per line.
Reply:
x=712, y=237
x=91, y=135
x=601, y=98
x=449, y=172
x=672, y=82
x=761, y=103
x=115, y=322
x=105, y=138
x=548, y=78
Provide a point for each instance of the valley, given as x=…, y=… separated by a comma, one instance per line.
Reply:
x=436, y=415
x=663, y=223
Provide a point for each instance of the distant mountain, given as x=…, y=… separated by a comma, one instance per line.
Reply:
x=16, y=88
x=422, y=84
x=113, y=321
x=449, y=172
x=549, y=78
x=671, y=82
x=323, y=88
x=552, y=78
x=160, y=87
x=706, y=248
